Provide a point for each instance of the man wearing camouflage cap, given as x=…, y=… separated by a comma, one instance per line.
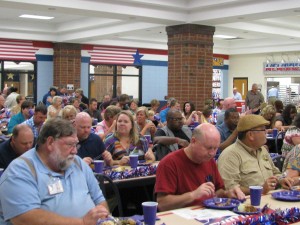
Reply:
x=247, y=162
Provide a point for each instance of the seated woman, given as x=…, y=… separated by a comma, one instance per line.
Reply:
x=144, y=125
x=69, y=112
x=126, y=140
x=284, y=121
x=107, y=125
x=268, y=113
x=292, y=137
x=291, y=167
x=54, y=109
x=190, y=114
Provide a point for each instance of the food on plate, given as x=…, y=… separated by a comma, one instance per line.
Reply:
x=108, y=222
x=126, y=221
x=295, y=188
x=247, y=208
x=218, y=202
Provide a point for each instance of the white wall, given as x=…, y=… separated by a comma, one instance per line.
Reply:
x=251, y=66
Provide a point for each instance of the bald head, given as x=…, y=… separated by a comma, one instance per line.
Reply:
x=22, y=138
x=229, y=103
x=205, y=130
x=83, y=124
x=82, y=116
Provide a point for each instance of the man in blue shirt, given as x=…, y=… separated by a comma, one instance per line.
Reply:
x=50, y=184
x=171, y=104
x=272, y=95
x=90, y=145
x=37, y=120
x=227, y=129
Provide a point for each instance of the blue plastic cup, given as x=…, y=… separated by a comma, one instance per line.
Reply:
x=275, y=132
x=255, y=195
x=149, y=211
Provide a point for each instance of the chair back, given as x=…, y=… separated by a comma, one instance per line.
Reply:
x=279, y=136
x=278, y=161
x=111, y=193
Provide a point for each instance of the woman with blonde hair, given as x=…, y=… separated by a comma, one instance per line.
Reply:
x=69, y=112
x=144, y=125
x=126, y=140
x=269, y=113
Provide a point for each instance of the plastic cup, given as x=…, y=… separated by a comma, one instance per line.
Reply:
x=275, y=132
x=95, y=122
x=148, y=137
x=133, y=161
x=98, y=166
x=255, y=195
x=196, y=124
x=1, y=171
x=149, y=211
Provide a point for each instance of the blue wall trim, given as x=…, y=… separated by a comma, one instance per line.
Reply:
x=154, y=63
x=225, y=67
x=44, y=57
x=85, y=59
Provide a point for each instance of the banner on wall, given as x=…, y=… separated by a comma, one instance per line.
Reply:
x=282, y=68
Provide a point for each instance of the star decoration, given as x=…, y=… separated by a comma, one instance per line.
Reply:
x=32, y=76
x=10, y=76
x=137, y=58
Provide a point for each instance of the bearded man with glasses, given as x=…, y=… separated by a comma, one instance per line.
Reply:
x=247, y=162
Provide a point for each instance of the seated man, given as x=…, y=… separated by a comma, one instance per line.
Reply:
x=37, y=120
x=21, y=141
x=247, y=162
x=188, y=176
x=49, y=184
x=173, y=136
x=227, y=129
x=90, y=146
x=93, y=111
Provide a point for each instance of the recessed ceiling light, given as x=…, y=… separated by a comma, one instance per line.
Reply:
x=36, y=17
x=224, y=36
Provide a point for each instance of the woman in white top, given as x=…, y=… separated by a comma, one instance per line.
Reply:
x=54, y=109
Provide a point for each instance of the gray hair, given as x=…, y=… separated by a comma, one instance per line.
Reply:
x=55, y=128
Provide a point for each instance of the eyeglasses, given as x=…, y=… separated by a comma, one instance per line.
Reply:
x=71, y=145
x=175, y=119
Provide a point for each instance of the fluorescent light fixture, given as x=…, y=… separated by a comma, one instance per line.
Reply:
x=224, y=36
x=36, y=17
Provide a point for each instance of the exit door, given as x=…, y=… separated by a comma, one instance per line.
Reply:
x=241, y=84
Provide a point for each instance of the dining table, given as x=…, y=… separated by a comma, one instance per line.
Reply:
x=134, y=182
x=194, y=215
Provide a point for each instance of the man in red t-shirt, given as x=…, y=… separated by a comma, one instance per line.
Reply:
x=188, y=176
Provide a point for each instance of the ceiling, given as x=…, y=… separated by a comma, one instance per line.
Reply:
x=262, y=26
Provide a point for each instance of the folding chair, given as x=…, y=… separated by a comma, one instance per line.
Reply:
x=111, y=193
x=280, y=136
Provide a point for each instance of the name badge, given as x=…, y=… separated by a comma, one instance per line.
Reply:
x=55, y=186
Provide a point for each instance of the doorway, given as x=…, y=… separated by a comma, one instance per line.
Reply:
x=241, y=83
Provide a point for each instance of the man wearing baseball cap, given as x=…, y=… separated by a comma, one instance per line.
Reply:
x=247, y=162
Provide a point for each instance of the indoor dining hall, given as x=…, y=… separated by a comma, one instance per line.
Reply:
x=149, y=112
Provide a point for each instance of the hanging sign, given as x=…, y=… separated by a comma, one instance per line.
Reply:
x=282, y=68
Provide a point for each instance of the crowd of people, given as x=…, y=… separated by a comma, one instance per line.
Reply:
x=214, y=152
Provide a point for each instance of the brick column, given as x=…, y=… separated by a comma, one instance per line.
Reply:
x=190, y=63
x=67, y=64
